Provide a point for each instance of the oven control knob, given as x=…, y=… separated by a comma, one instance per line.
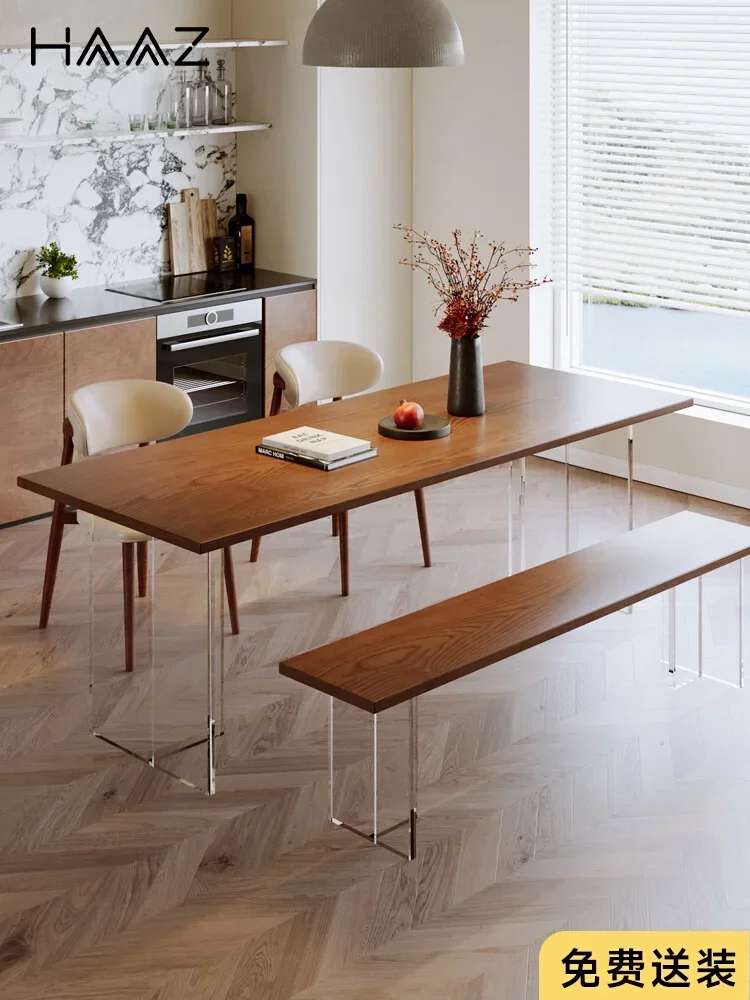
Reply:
x=212, y=318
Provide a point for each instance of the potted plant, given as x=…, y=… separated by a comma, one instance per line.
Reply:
x=59, y=271
x=468, y=294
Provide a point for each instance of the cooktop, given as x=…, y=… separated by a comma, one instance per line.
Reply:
x=184, y=286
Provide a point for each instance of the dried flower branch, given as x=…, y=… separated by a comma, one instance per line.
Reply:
x=464, y=282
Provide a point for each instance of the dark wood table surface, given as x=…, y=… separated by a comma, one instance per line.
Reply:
x=211, y=490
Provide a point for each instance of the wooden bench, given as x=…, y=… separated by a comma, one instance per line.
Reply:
x=399, y=660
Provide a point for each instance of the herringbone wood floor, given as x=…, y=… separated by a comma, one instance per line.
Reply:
x=568, y=787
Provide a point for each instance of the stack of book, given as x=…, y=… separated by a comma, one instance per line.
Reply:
x=317, y=449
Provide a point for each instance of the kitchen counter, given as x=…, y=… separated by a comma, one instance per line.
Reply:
x=95, y=306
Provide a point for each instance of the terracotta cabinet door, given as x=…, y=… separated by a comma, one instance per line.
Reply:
x=289, y=319
x=123, y=350
x=31, y=416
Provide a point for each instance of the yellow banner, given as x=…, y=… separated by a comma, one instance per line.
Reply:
x=645, y=964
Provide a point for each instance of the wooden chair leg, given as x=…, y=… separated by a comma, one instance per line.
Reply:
x=278, y=391
x=128, y=598
x=142, y=555
x=53, y=559
x=255, y=550
x=229, y=583
x=343, y=519
x=424, y=531
x=60, y=518
x=335, y=525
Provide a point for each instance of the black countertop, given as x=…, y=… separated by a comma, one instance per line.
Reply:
x=95, y=306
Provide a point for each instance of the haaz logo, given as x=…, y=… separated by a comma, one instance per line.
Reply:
x=98, y=47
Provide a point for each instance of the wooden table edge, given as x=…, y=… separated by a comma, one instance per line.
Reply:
x=203, y=548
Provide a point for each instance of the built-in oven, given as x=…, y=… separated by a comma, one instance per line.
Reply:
x=216, y=356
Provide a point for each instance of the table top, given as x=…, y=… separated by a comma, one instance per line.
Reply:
x=207, y=491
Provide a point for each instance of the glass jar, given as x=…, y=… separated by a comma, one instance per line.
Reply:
x=221, y=97
x=179, y=107
x=200, y=100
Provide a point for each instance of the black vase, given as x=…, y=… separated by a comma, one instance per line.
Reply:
x=466, y=381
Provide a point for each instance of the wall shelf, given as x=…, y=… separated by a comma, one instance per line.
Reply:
x=81, y=138
x=208, y=43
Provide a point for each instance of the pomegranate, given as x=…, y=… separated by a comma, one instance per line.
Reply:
x=408, y=416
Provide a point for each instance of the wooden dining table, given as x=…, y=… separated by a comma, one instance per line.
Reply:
x=208, y=491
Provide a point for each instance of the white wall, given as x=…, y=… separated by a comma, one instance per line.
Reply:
x=471, y=164
x=279, y=169
x=330, y=179
x=365, y=187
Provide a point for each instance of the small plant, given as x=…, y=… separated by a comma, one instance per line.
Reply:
x=53, y=263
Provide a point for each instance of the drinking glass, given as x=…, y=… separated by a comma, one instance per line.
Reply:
x=137, y=122
x=171, y=119
x=154, y=121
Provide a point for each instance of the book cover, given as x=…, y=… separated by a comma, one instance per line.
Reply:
x=325, y=446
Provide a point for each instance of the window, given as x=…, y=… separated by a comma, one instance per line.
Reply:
x=651, y=191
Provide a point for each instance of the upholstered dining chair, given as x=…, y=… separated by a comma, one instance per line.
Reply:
x=101, y=417
x=318, y=370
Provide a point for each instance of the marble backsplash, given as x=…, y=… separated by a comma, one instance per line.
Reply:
x=103, y=201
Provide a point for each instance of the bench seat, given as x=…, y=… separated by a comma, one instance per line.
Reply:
x=401, y=659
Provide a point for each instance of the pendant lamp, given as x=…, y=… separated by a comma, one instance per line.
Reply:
x=386, y=34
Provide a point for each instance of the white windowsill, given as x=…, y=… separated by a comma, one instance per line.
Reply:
x=717, y=416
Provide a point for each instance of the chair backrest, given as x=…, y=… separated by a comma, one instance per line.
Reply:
x=108, y=415
x=326, y=369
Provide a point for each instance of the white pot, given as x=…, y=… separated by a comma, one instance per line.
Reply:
x=56, y=288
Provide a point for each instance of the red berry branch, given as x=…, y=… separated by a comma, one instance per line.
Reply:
x=469, y=288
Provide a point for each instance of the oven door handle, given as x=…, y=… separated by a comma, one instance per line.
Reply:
x=188, y=345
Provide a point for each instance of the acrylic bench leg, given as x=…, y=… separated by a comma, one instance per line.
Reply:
x=377, y=835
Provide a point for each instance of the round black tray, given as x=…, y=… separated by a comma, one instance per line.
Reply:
x=432, y=427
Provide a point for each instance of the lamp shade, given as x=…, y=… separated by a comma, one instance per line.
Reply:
x=383, y=34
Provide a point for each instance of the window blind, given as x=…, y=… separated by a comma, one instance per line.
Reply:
x=651, y=151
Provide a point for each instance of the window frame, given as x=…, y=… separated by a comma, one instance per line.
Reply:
x=566, y=312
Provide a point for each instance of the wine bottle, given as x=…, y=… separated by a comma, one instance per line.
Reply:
x=242, y=230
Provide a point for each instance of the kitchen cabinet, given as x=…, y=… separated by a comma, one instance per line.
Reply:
x=38, y=374
x=289, y=319
x=31, y=417
x=122, y=350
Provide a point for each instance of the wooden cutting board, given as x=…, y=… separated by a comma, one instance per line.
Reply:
x=192, y=224
x=179, y=249
x=191, y=198
x=210, y=227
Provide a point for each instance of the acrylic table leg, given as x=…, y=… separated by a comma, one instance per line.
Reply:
x=631, y=520
x=522, y=514
x=669, y=630
x=567, y=499
x=741, y=633
x=413, y=776
x=700, y=626
x=215, y=661
x=374, y=779
x=510, y=518
x=330, y=759
x=91, y=630
x=149, y=554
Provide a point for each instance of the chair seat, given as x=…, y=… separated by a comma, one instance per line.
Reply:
x=109, y=530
